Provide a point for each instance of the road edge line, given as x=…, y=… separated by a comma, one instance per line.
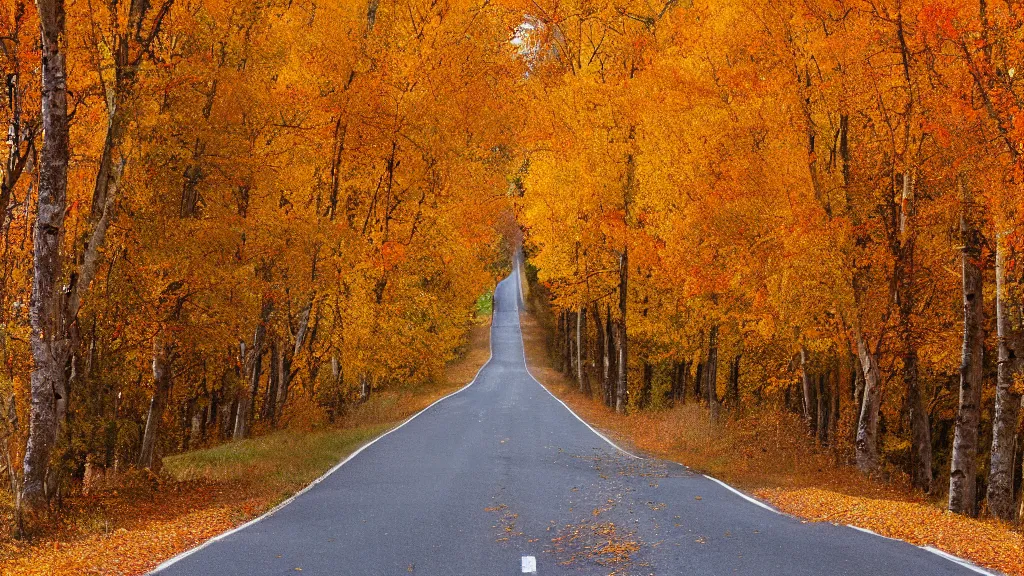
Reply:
x=963, y=562
x=958, y=560
x=739, y=493
x=182, y=555
x=526, y=365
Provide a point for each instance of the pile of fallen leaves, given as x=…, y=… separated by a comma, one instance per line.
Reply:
x=766, y=453
x=126, y=536
x=985, y=542
x=598, y=542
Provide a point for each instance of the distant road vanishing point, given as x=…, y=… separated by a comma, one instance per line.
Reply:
x=501, y=478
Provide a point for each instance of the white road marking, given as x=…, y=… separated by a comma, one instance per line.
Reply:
x=750, y=499
x=167, y=563
x=866, y=531
x=945, y=555
x=529, y=565
x=959, y=561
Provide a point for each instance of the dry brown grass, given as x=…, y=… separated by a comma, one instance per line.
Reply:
x=767, y=453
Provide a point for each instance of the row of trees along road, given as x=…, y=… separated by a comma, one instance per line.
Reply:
x=215, y=212
x=219, y=214
x=814, y=205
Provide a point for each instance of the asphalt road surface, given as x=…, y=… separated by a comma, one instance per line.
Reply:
x=501, y=478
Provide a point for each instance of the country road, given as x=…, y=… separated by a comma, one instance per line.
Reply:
x=500, y=478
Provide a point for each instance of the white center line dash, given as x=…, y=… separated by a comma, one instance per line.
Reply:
x=529, y=565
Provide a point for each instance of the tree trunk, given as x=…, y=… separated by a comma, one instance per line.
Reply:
x=963, y=474
x=162, y=356
x=647, y=375
x=622, y=366
x=338, y=375
x=284, y=380
x=49, y=340
x=684, y=384
x=622, y=388
x=567, y=355
x=269, y=412
x=598, y=360
x=698, y=382
x=286, y=358
x=254, y=363
x=833, y=418
x=711, y=374
x=609, y=360
x=921, y=441
x=679, y=374
x=734, y=383
x=1008, y=400
x=197, y=426
x=920, y=428
x=822, y=409
x=581, y=350
x=365, y=387
x=857, y=375
x=807, y=381
x=867, y=426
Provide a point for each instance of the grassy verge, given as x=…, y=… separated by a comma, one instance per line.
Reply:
x=766, y=453
x=149, y=518
x=485, y=304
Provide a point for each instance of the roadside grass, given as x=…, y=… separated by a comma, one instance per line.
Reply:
x=286, y=459
x=144, y=519
x=767, y=454
x=485, y=304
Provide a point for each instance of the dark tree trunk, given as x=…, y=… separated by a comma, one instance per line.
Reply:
x=698, y=382
x=680, y=377
x=365, y=387
x=254, y=361
x=1008, y=400
x=835, y=394
x=50, y=342
x=599, y=359
x=338, y=375
x=734, y=383
x=567, y=356
x=822, y=408
x=807, y=390
x=622, y=365
x=920, y=428
x=622, y=387
x=284, y=371
x=581, y=350
x=963, y=474
x=684, y=385
x=269, y=412
x=711, y=374
x=645, y=389
x=610, y=361
x=162, y=357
